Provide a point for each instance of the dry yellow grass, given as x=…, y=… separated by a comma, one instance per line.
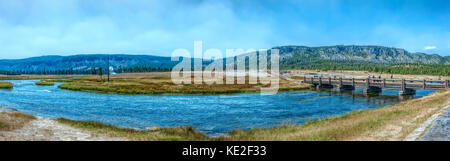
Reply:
x=164, y=85
x=13, y=120
x=388, y=123
x=158, y=134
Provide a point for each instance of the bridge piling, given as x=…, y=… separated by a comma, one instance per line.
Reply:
x=321, y=85
x=424, y=84
x=403, y=86
x=367, y=82
x=371, y=89
x=343, y=87
x=406, y=91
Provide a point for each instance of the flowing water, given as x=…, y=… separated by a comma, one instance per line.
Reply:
x=212, y=114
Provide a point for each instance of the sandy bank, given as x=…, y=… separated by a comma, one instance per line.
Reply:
x=45, y=129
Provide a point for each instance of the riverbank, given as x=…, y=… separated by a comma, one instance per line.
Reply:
x=387, y=123
x=15, y=126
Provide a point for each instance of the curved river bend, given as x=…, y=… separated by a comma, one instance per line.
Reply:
x=212, y=114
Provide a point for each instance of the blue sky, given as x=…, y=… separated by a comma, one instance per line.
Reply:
x=67, y=27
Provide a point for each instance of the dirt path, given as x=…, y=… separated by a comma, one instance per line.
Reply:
x=419, y=113
x=440, y=129
x=44, y=129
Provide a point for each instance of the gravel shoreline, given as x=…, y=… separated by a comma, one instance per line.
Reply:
x=45, y=129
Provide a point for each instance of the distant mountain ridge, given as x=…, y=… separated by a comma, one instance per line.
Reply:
x=374, y=54
x=85, y=62
x=289, y=56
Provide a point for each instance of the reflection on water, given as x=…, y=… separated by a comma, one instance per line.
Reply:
x=212, y=114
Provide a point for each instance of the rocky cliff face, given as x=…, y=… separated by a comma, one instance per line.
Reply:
x=376, y=54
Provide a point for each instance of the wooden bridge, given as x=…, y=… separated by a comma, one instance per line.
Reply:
x=408, y=87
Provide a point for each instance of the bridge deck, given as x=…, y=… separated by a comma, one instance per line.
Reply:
x=383, y=83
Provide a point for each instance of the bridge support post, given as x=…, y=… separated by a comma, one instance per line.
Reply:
x=367, y=82
x=372, y=90
x=424, y=84
x=342, y=87
x=407, y=91
x=403, y=85
x=321, y=85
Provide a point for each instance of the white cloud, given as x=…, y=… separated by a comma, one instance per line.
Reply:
x=51, y=27
x=429, y=47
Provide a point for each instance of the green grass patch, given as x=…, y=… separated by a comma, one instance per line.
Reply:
x=44, y=83
x=6, y=85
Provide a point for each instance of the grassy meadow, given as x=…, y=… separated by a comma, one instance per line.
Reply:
x=164, y=85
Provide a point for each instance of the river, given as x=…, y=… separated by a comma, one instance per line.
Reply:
x=212, y=114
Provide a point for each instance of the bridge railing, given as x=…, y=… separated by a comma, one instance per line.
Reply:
x=389, y=83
